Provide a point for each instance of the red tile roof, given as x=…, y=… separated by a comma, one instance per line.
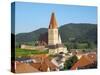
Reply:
x=39, y=56
x=24, y=68
x=84, y=60
x=44, y=65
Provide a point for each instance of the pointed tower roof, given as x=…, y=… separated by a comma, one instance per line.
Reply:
x=53, y=23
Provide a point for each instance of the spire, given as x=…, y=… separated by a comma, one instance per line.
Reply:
x=53, y=23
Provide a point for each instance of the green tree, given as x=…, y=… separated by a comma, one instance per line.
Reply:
x=91, y=45
x=70, y=62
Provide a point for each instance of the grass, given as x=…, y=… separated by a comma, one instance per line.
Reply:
x=25, y=52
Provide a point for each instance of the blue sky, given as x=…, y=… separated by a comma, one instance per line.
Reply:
x=32, y=16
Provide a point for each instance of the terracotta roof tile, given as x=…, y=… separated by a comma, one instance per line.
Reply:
x=44, y=64
x=25, y=68
x=83, y=61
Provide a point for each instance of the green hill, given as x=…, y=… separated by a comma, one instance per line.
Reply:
x=31, y=36
x=78, y=32
x=72, y=33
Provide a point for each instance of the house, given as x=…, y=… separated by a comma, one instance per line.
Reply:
x=24, y=59
x=59, y=60
x=24, y=68
x=93, y=65
x=45, y=65
x=38, y=58
x=85, y=60
x=42, y=63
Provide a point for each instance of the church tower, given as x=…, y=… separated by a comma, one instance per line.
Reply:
x=53, y=38
x=54, y=41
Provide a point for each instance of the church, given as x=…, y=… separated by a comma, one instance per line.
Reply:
x=55, y=45
x=50, y=40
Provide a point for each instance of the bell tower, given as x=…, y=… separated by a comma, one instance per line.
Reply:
x=53, y=31
x=54, y=40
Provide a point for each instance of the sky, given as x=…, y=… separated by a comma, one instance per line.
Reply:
x=32, y=16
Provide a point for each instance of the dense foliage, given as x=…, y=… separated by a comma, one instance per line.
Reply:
x=80, y=35
x=70, y=62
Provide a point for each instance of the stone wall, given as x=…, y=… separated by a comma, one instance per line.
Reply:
x=32, y=47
